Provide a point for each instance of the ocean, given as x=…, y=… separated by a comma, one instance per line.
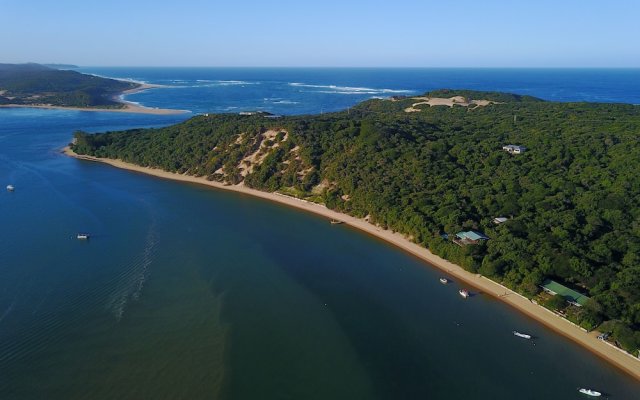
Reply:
x=184, y=292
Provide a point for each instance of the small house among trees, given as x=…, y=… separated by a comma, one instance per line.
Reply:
x=514, y=149
x=573, y=297
x=469, y=237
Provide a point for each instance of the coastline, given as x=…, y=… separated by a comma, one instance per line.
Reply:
x=128, y=106
x=615, y=356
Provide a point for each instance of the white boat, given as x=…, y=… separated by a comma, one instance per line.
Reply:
x=464, y=293
x=589, y=392
x=522, y=335
x=83, y=236
x=10, y=188
x=444, y=280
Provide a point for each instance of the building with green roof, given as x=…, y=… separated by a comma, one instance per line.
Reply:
x=470, y=237
x=573, y=297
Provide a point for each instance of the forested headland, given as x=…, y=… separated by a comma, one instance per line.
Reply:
x=35, y=84
x=571, y=200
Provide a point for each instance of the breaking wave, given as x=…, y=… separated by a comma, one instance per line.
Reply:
x=335, y=89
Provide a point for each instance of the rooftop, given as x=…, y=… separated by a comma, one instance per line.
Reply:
x=571, y=295
x=472, y=236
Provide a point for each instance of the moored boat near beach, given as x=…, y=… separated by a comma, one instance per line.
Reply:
x=444, y=281
x=464, y=293
x=522, y=335
x=589, y=392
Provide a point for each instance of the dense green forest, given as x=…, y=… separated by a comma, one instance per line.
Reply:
x=572, y=199
x=34, y=84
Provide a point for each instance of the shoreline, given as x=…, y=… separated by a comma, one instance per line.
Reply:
x=129, y=107
x=617, y=357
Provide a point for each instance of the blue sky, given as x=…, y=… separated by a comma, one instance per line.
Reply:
x=413, y=33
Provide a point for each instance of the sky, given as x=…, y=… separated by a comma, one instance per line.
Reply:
x=339, y=33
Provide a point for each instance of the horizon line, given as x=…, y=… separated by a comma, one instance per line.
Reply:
x=332, y=66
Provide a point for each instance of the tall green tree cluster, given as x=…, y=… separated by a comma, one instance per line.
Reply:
x=572, y=199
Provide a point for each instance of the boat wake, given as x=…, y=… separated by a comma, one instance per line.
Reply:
x=7, y=311
x=132, y=283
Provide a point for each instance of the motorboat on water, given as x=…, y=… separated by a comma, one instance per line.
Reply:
x=82, y=236
x=521, y=335
x=444, y=281
x=10, y=188
x=589, y=392
x=464, y=293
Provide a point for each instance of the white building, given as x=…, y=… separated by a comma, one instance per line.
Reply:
x=514, y=149
x=499, y=220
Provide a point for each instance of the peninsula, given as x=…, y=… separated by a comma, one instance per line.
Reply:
x=513, y=191
x=39, y=86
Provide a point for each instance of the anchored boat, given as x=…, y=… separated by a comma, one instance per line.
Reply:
x=589, y=392
x=464, y=293
x=522, y=335
x=444, y=281
x=10, y=188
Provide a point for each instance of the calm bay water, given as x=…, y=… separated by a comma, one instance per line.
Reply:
x=189, y=293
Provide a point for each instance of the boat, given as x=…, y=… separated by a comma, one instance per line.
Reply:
x=444, y=281
x=464, y=293
x=83, y=236
x=589, y=392
x=522, y=335
x=10, y=188
x=336, y=222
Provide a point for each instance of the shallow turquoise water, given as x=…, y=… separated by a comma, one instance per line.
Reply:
x=184, y=292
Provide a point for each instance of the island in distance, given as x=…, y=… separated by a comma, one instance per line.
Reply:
x=37, y=85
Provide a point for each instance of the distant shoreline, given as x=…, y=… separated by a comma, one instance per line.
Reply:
x=128, y=106
x=617, y=357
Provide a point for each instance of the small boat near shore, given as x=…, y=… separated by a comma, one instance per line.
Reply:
x=521, y=335
x=82, y=236
x=336, y=222
x=464, y=293
x=589, y=392
x=10, y=188
x=444, y=281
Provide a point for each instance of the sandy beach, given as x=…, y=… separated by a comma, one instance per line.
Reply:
x=128, y=106
x=617, y=357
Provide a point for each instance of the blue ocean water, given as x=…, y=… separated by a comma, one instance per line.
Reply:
x=184, y=292
x=310, y=90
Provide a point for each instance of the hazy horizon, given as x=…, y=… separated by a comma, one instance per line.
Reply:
x=318, y=66
x=416, y=34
